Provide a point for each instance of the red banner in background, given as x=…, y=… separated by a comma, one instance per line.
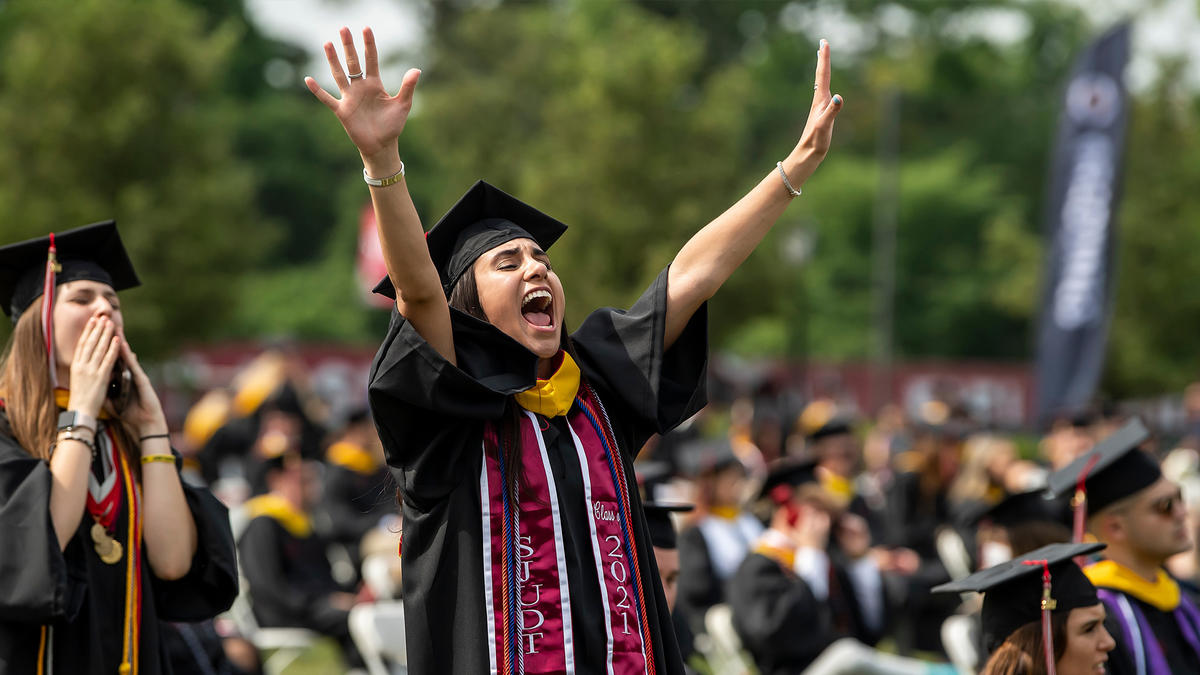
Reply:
x=370, y=265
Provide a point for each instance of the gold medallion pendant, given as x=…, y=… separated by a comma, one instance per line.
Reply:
x=109, y=549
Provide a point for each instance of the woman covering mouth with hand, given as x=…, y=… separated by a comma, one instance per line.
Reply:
x=525, y=548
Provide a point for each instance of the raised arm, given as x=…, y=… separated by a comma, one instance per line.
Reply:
x=713, y=253
x=374, y=119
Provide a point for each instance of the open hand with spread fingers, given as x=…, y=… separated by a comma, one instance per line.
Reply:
x=818, y=131
x=372, y=118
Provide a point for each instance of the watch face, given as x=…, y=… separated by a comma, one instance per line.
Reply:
x=66, y=419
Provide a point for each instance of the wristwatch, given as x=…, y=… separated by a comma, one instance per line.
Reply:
x=69, y=420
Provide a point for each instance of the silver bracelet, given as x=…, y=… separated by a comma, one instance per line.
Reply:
x=384, y=182
x=70, y=436
x=793, y=192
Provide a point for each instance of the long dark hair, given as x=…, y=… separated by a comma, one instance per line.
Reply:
x=1023, y=652
x=464, y=297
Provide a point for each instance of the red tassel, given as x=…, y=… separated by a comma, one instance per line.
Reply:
x=48, y=286
x=1048, y=604
x=1080, y=503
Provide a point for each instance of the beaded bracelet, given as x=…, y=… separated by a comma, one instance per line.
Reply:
x=70, y=436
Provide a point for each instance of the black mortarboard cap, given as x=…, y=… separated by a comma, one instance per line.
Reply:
x=832, y=427
x=93, y=252
x=1116, y=468
x=1013, y=589
x=788, y=472
x=658, y=518
x=1020, y=508
x=482, y=219
x=706, y=455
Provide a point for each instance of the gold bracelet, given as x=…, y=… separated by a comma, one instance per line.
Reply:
x=146, y=459
x=384, y=182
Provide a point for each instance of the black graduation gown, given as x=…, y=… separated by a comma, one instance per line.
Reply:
x=289, y=578
x=782, y=623
x=431, y=416
x=914, y=520
x=354, y=502
x=1179, y=654
x=698, y=588
x=81, y=597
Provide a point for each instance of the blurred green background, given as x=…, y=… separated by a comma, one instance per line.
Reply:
x=635, y=122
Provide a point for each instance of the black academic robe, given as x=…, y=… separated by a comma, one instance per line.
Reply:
x=914, y=520
x=354, y=500
x=781, y=622
x=431, y=417
x=700, y=584
x=289, y=578
x=1180, y=656
x=196, y=649
x=79, y=599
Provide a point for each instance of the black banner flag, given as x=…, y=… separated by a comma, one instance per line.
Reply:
x=1080, y=224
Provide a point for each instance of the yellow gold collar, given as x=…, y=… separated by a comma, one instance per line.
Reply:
x=1162, y=593
x=295, y=522
x=553, y=397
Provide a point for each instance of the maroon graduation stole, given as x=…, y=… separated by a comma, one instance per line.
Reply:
x=527, y=597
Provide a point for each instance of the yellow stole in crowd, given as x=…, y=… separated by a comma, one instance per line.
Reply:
x=774, y=545
x=553, y=397
x=353, y=457
x=294, y=521
x=1162, y=593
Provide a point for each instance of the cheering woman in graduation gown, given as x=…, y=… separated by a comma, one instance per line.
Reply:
x=101, y=538
x=524, y=547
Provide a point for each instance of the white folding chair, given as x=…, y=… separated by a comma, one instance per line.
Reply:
x=279, y=646
x=959, y=641
x=723, y=647
x=378, y=632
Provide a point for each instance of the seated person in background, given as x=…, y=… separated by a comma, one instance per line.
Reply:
x=284, y=561
x=200, y=649
x=791, y=599
x=1018, y=524
x=711, y=549
x=666, y=555
x=1142, y=517
x=359, y=490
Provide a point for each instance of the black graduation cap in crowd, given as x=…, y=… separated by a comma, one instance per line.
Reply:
x=482, y=219
x=658, y=518
x=93, y=252
x=788, y=472
x=834, y=426
x=1116, y=468
x=1013, y=590
x=1021, y=508
x=706, y=455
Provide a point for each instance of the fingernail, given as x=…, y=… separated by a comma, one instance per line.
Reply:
x=837, y=98
x=823, y=43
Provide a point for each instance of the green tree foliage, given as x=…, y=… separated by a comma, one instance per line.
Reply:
x=1153, y=340
x=106, y=112
x=589, y=111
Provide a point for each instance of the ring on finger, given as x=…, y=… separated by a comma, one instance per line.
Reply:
x=816, y=86
x=356, y=76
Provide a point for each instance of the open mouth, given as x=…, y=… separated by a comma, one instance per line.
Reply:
x=535, y=307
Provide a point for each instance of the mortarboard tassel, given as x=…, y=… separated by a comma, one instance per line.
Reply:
x=1048, y=605
x=52, y=270
x=1080, y=501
